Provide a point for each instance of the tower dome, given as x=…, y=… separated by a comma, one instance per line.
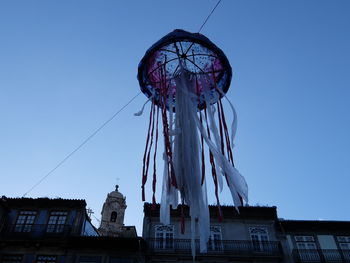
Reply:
x=112, y=220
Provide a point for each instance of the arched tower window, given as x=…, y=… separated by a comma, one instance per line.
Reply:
x=114, y=216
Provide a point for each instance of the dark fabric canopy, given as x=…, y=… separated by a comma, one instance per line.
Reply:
x=199, y=56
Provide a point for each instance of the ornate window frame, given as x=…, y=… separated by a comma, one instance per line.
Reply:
x=260, y=238
x=307, y=247
x=164, y=236
x=215, y=238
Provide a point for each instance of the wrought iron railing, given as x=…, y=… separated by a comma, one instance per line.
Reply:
x=234, y=247
x=36, y=230
x=321, y=255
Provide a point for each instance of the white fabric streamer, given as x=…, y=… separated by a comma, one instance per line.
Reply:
x=237, y=183
x=185, y=143
x=140, y=112
x=234, y=122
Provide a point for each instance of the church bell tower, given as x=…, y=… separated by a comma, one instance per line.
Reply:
x=113, y=211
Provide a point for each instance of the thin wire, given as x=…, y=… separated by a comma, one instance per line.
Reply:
x=96, y=218
x=81, y=145
x=212, y=11
x=104, y=124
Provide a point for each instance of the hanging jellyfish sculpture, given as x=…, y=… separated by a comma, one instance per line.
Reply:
x=185, y=76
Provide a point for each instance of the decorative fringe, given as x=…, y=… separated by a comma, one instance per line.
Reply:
x=154, y=182
x=145, y=162
x=184, y=153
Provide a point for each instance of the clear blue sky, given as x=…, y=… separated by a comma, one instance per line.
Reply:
x=67, y=66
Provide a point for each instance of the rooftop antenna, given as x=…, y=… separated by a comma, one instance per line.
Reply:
x=89, y=212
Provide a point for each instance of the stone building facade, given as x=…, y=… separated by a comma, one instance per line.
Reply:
x=43, y=230
x=46, y=230
x=249, y=234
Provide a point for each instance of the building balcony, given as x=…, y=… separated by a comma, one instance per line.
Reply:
x=35, y=231
x=321, y=255
x=234, y=248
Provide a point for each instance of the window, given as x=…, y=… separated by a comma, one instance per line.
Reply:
x=215, y=238
x=25, y=221
x=164, y=236
x=120, y=260
x=89, y=259
x=344, y=244
x=11, y=259
x=56, y=222
x=114, y=216
x=259, y=238
x=46, y=259
x=304, y=239
x=89, y=230
x=307, y=248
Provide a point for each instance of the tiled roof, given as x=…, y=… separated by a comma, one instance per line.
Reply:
x=316, y=226
x=42, y=202
x=245, y=212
